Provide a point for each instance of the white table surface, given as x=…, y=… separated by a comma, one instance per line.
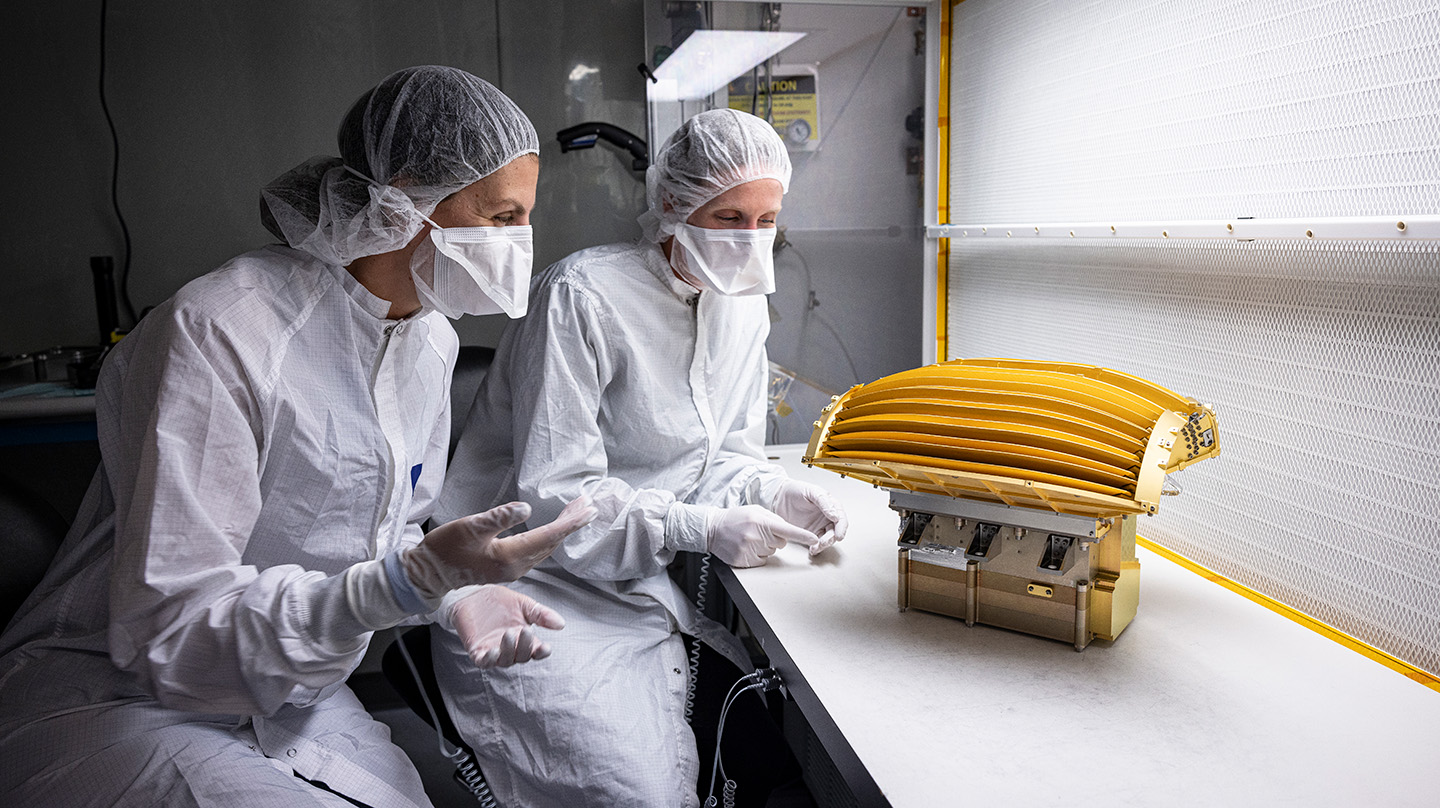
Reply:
x=1206, y=699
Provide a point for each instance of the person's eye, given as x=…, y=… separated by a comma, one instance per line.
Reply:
x=725, y=218
x=770, y=222
x=504, y=218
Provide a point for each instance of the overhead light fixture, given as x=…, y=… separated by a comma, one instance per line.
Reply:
x=708, y=60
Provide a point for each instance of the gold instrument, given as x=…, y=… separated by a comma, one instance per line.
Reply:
x=1018, y=483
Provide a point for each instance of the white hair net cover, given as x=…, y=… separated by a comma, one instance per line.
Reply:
x=708, y=155
x=421, y=134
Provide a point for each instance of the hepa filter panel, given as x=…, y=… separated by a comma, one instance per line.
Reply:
x=1323, y=363
x=1322, y=358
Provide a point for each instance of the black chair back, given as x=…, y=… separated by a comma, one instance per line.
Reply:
x=397, y=673
x=30, y=533
x=470, y=368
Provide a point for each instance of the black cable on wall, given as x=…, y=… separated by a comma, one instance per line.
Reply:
x=115, y=175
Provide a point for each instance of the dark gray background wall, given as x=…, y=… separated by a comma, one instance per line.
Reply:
x=211, y=100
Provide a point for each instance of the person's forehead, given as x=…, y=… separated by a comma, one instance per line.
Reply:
x=765, y=191
x=505, y=187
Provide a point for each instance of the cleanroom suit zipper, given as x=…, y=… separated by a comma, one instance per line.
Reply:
x=385, y=403
x=699, y=364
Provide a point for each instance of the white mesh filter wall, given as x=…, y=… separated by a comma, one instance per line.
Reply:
x=1321, y=358
x=1193, y=109
x=1323, y=363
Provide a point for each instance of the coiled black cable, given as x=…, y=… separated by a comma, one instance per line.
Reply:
x=690, y=682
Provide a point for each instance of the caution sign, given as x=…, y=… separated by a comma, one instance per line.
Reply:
x=794, y=103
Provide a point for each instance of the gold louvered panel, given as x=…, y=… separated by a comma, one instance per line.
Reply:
x=1009, y=398
x=996, y=469
x=1062, y=436
x=994, y=452
x=960, y=428
x=1134, y=385
x=1013, y=415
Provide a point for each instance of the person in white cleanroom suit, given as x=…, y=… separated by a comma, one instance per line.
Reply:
x=272, y=439
x=638, y=379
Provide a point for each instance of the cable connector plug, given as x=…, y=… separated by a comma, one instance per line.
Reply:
x=770, y=678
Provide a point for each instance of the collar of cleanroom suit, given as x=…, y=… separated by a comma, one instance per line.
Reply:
x=264, y=429
x=626, y=385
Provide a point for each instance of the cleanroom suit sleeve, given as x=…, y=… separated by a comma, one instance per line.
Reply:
x=200, y=629
x=562, y=350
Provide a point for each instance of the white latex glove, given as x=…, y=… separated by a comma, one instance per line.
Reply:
x=747, y=535
x=811, y=507
x=494, y=625
x=466, y=551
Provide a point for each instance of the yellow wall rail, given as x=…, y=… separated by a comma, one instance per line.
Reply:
x=1409, y=671
x=942, y=261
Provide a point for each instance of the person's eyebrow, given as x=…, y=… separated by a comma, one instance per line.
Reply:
x=482, y=205
x=775, y=209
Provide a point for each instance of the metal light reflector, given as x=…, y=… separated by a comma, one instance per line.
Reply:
x=708, y=60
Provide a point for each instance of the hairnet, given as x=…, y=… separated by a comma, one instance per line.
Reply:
x=708, y=155
x=421, y=134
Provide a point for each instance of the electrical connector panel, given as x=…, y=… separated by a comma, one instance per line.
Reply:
x=1018, y=483
x=1069, y=578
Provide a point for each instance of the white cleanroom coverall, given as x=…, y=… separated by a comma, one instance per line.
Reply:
x=259, y=433
x=625, y=384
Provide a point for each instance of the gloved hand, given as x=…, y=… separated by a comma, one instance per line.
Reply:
x=747, y=535
x=466, y=551
x=811, y=507
x=494, y=626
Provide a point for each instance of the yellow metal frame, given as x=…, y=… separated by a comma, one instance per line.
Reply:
x=942, y=252
x=1325, y=630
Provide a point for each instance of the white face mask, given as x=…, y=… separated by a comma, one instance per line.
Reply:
x=731, y=262
x=474, y=270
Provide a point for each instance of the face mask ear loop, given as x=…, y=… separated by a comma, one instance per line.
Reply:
x=428, y=220
x=361, y=176
x=379, y=185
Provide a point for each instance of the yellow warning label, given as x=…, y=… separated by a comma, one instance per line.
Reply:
x=793, y=105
